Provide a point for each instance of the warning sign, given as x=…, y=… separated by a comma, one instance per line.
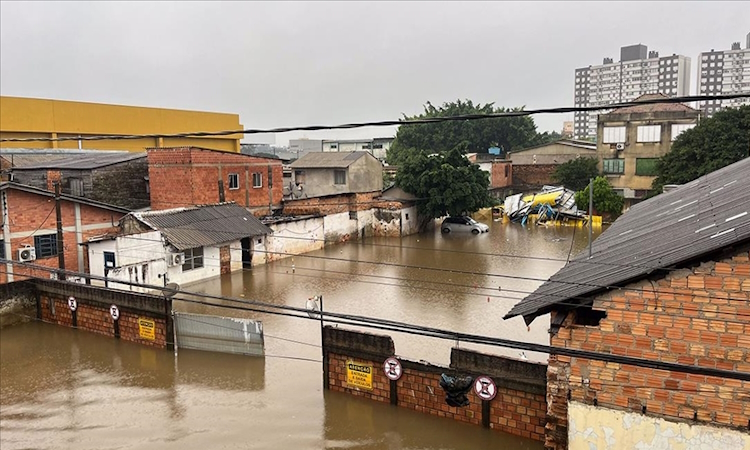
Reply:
x=147, y=328
x=359, y=375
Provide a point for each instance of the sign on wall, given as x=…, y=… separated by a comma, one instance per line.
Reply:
x=146, y=328
x=392, y=368
x=359, y=375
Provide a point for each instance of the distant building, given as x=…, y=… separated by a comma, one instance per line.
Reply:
x=327, y=173
x=188, y=176
x=44, y=118
x=724, y=72
x=632, y=139
x=377, y=147
x=533, y=167
x=568, y=130
x=638, y=72
x=301, y=147
x=111, y=177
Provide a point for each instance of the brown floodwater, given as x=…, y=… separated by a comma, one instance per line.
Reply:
x=60, y=388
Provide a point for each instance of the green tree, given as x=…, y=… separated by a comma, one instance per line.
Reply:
x=606, y=201
x=446, y=181
x=714, y=143
x=473, y=135
x=576, y=173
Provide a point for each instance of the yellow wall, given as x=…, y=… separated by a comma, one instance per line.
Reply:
x=30, y=117
x=592, y=427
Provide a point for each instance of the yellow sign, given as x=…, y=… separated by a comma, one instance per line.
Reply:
x=358, y=375
x=147, y=328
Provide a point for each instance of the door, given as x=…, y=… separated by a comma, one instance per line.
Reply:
x=247, y=252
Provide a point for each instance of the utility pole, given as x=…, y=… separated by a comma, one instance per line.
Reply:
x=591, y=213
x=60, y=246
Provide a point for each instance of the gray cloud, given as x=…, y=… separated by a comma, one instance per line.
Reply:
x=286, y=63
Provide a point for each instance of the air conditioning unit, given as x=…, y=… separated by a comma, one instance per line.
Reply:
x=176, y=259
x=26, y=254
x=620, y=146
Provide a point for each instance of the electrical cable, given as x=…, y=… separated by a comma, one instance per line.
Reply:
x=419, y=121
x=401, y=327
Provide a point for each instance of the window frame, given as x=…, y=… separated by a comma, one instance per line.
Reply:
x=236, y=185
x=193, y=260
x=679, y=128
x=614, y=134
x=257, y=180
x=339, y=177
x=607, y=166
x=648, y=134
x=651, y=173
x=45, y=249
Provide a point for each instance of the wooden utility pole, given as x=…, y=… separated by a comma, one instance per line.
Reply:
x=60, y=246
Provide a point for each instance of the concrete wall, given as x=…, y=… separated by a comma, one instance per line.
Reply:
x=292, y=237
x=592, y=427
x=31, y=117
x=362, y=176
x=518, y=408
x=685, y=317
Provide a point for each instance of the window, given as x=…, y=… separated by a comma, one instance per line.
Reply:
x=613, y=135
x=377, y=146
x=679, y=128
x=193, y=259
x=76, y=187
x=45, y=245
x=109, y=260
x=648, y=133
x=2, y=249
x=339, y=177
x=646, y=166
x=257, y=179
x=234, y=181
x=614, y=166
x=352, y=215
x=299, y=176
x=334, y=146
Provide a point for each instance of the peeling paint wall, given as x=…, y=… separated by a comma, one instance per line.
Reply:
x=299, y=236
x=591, y=427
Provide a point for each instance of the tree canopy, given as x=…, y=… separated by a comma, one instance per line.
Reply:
x=714, y=143
x=478, y=136
x=606, y=200
x=576, y=173
x=447, y=182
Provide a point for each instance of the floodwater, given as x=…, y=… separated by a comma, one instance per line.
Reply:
x=60, y=388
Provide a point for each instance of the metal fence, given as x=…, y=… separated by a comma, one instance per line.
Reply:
x=218, y=334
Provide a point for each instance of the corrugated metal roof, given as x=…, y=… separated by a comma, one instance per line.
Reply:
x=327, y=160
x=683, y=225
x=76, y=161
x=24, y=157
x=201, y=226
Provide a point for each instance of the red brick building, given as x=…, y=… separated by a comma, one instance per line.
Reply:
x=662, y=308
x=29, y=229
x=187, y=176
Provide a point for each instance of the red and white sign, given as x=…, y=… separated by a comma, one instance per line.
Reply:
x=114, y=312
x=485, y=388
x=72, y=303
x=392, y=367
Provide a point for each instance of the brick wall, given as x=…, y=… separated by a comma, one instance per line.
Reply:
x=502, y=174
x=519, y=407
x=32, y=214
x=334, y=204
x=686, y=317
x=532, y=176
x=186, y=176
x=93, y=311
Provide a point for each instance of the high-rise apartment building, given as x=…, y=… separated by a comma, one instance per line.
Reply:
x=638, y=72
x=724, y=72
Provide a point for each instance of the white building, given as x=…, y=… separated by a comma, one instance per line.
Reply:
x=637, y=73
x=377, y=147
x=183, y=244
x=724, y=72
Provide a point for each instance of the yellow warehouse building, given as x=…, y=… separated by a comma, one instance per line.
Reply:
x=42, y=118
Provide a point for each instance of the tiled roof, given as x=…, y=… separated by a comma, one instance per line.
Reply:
x=683, y=225
x=327, y=160
x=653, y=107
x=201, y=226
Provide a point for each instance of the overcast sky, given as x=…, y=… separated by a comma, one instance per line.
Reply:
x=285, y=63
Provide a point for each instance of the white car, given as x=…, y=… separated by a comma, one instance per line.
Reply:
x=463, y=224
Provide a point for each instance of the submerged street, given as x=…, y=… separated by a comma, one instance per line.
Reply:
x=62, y=388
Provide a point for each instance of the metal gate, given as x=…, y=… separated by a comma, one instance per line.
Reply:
x=218, y=334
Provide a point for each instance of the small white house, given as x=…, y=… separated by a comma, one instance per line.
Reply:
x=180, y=245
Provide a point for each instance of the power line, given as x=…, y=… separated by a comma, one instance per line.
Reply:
x=401, y=327
x=382, y=123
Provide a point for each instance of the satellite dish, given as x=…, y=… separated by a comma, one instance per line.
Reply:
x=297, y=191
x=312, y=307
x=170, y=290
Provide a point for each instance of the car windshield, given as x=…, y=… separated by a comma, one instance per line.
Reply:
x=471, y=221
